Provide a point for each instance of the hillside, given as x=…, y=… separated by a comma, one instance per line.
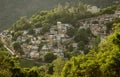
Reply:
x=100, y=3
x=12, y=10
x=84, y=29
x=63, y=42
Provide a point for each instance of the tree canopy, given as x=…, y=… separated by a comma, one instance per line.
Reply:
x=104, y=63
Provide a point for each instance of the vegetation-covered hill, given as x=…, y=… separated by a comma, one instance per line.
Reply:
x=45, y=20
x=12, y=10
x=101, y=62
x=100, y=3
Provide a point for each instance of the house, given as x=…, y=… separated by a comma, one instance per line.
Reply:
x=23, y=39
x=117, y=14
x=29, y=36
x=93, y=9
x=34, y=48
x=62, y=27
x=4, y=32
x=75, y=45
x=37, y=30
x=53, y=30
x=25, y=32
x=34, y=55
x=44, y=49
x=39, y=37
x=59, y=25
x=58, y=52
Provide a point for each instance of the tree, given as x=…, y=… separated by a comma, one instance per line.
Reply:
x=49, y=57
x=18, y=72
x=108, y=10
x=82, y=35
x=71, y=32
x=1, y=44
x=33, y=72
x=31, y=31
x=6, y=64
x=22, y=24
x=58, y=65
x=2, y=48
x=103, y=63
x=96, y=42
x=17, y=47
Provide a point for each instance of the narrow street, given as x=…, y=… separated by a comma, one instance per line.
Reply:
x=10, y=51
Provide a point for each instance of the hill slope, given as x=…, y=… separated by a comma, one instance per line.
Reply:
x=12, y=10
x=100, y=3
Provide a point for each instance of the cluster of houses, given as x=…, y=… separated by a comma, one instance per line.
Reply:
x=97, y=25
x=36, y=47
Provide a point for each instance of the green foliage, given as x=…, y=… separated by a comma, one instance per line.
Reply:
x=58, y=65
x=82, y=38
x=21, y=24
x=82, y=35
x=65, y=13
x=96, y=42
x=67, y=54
x=31, y=31
x=10, y=68
x=15, y=35
x=17, y=47
x=109, y=10
x=33, y=72
x=71, y=32
x=18, y=72
x=50, y=69
x=12, y=10
x=28, y=41
x=104, y=63
x=110, y=25
x=16, y=10
x=1, y=44
x=2, y=48
x=49, y=57
x=23, y=72
x=27, y=63
x=6, y=64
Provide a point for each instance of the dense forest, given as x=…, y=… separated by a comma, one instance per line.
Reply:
x=12, y=10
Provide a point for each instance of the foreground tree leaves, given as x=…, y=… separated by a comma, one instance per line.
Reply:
x=103, y=63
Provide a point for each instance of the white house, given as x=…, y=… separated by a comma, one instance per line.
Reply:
x=35, y=55
x=93, y=9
